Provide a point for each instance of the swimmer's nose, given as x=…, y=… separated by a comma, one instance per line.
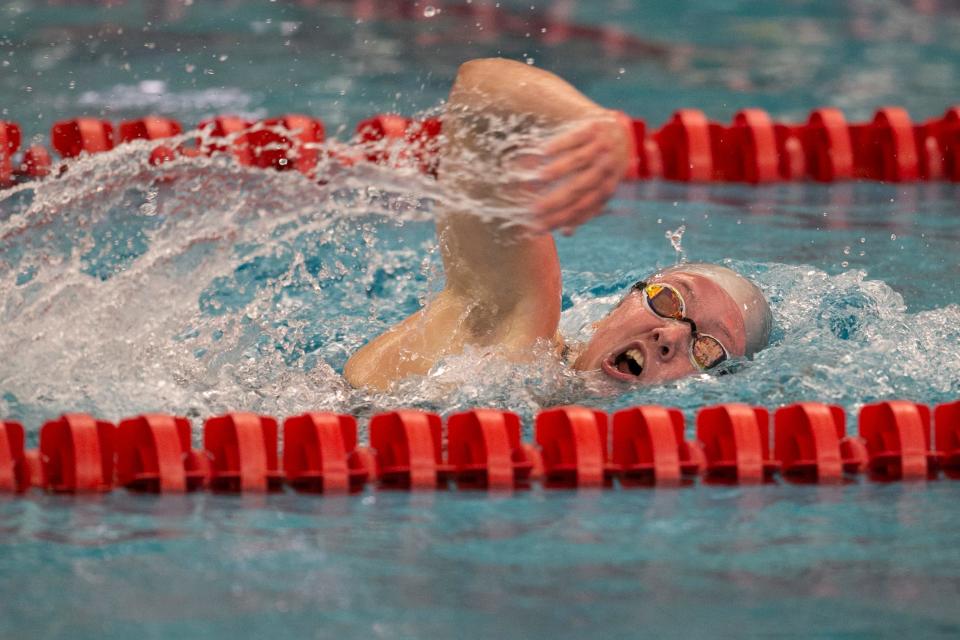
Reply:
x=669, y=340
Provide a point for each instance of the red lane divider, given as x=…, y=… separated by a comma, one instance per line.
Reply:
x=35, y=163
x=484, y=449
x=149, y=128
x=154, y=454
x=791, y=154
x=320, y=454
x=84, y=135
x=573, y=441
x=948, y=134
x=408, y=446
x=897, y=435
x=947, y=420
x=753, y=148
x=685, y=147
x=263, y=145
x=76, y=455
x=829, y=150
x=485, y=452
x=220, y=127
x=9, y=143
x=14, y=473
x=393, y=139
x=243, y=452
x=385, y=126
x=746, y=151
x=811, y=444
x=736, y=444
x=649, y=447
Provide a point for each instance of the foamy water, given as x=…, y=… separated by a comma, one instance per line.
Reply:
x=201, y=287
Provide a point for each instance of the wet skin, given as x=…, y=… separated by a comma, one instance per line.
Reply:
x=663, y=342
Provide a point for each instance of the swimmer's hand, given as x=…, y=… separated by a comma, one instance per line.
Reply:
x=581, y=170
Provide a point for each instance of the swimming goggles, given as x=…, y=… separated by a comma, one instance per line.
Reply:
x=665, y=301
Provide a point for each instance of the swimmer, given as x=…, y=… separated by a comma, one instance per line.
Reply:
x=503, y=282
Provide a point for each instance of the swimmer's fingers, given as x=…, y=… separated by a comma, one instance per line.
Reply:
x=581, y=200
x=596, y=151
x=591, y=208
x=576, y=137
x=594, y=178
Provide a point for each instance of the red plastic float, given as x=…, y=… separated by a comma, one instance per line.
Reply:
x=746, y=151
x=811, y=444
x=685, y=147
x=649, y=447
x=389, y=137
x=288, y=142
x=14, y=473
x=829, y=151
x=886, y=149
x=320, y=453
x=736, y=443
x=484, y=450
x=573, y=442
x=9, y=143
x=948, y=135
x=154, y=454
x=149, y=128
x=76, y=454
x=947, y=439
x=377, y=132
x=408, y=446
x=897, y=435
x=70, y=138
x=423, y=139
x=220, y=127
x=243, y=452
x=791, y=156
x=35, y=163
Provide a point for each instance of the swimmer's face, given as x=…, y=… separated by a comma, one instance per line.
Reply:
x=634, y=344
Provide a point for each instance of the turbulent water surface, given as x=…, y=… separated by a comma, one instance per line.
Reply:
x=201, y=287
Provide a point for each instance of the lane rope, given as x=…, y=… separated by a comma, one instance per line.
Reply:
x=752, y=149
x=573, y=447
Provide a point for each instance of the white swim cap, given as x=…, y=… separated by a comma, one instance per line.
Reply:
x=753, y=306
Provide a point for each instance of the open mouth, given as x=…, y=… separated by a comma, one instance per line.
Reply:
x=625, y=365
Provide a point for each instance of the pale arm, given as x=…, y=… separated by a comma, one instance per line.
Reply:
x=502, y=283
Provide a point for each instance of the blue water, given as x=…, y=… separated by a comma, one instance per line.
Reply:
x=223, y=289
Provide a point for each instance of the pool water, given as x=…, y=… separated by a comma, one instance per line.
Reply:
x=203, y=288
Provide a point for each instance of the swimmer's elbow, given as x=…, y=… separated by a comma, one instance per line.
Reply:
x=359, y=373
x=486, y=77
x=480, y=70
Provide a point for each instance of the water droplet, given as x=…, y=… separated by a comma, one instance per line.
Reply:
x=429, y=11
x=675, y=236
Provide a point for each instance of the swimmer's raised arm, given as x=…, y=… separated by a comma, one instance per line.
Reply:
x=503, y=282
